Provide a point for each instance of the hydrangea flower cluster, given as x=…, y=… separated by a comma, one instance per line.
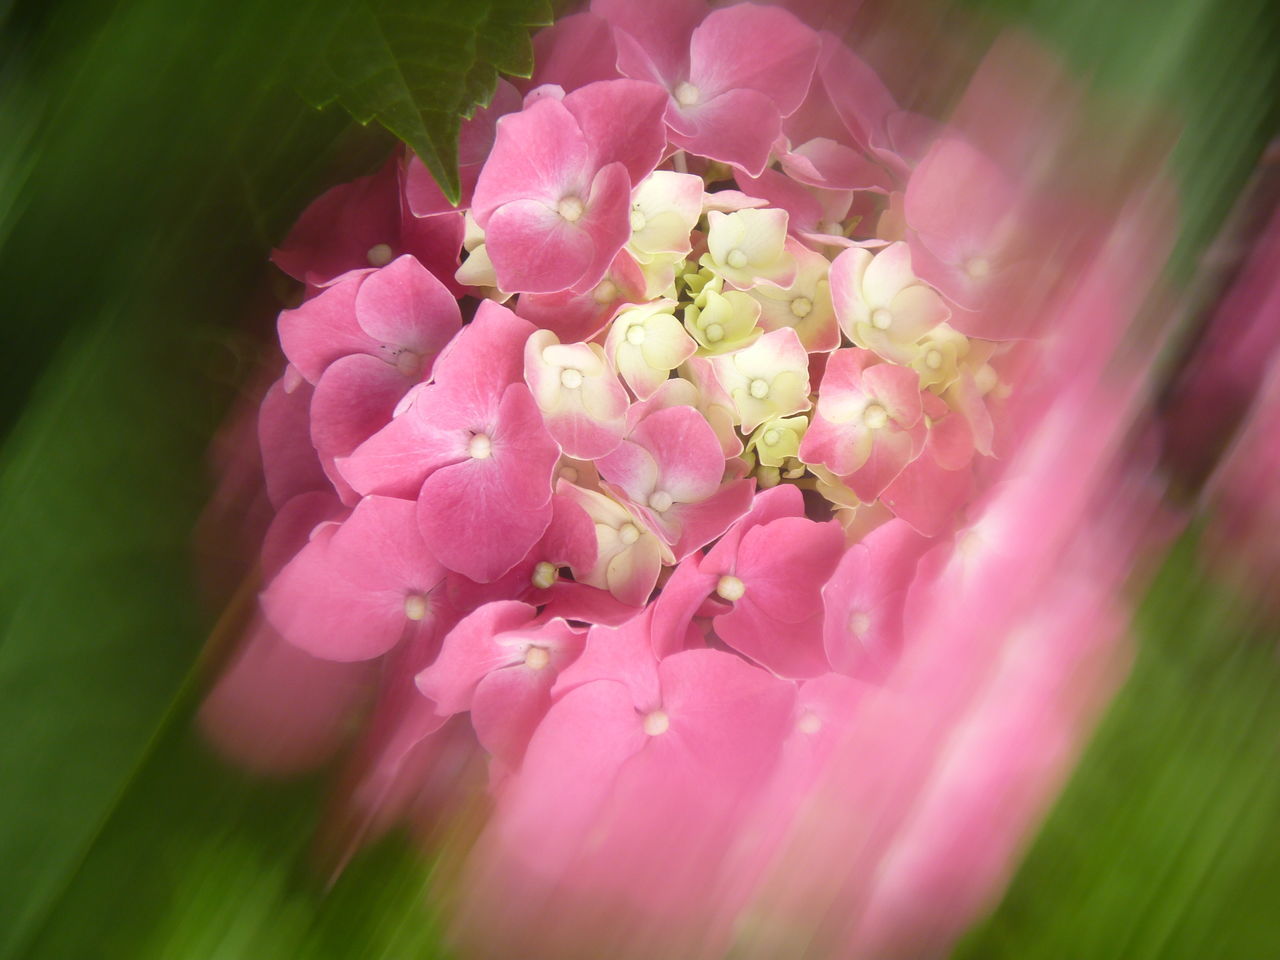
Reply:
x=640, y=466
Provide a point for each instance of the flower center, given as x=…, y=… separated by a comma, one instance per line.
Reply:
x=628, y=533
x=544, y=575
x=736, y=259
x=480, y=447
x=408, y=362
x=985, y=379
x=635, y=334
x=714, y=333
x=569, y=473
x=415, y=606
x=810, y=723
x=875, y=416
x=379, y=255
x=933, y=359
x=771, y=438
x=638, y=222
x=570, y=378
x=801, y=307
x=535, y=658
x=656, y=723
x=881, y=318
x=969, y=545
x=977, y=268
x=605, y=292
x=730, y=588
x=570, y=208
x=859, y=623
x=758, y=388
x=661, y=501
x=687, y=94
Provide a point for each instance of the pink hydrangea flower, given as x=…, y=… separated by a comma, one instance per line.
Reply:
x=555, y=194
x=700, y=590
x=363, y=342
x=670, y=468
x=582, y=403
x=368, y=223
x=499, y=663
x=740, y=61
x=472, y=448
x=868, y=423
x=358, y=587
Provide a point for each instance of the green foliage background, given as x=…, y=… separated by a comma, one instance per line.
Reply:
x=150, y=154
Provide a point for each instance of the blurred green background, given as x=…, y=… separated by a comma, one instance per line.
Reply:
x=150, y=155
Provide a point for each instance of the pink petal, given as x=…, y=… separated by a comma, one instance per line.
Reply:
x=277, y=710
x=470, y=651
x=928, y=496
x=432, y=433
x=686, y=450
x=681, y=598
x=621, y=121
x=570, y=540
x=748, y=47
x=654, y=44
x=841, y=447
x=353, y=400
x=377, y=549
x=293, y=525
x=475, y=139
x=575, y=51
x=730, y=715
x=950, y=441
x=483, y=516
x=897, y=389
x=576, y=316
x=466, y=514
x=538, y=154
x=624, y=654
x=568, y=772
x=804, y=209
x=784, y=500
x=485, y=358
x=715, y=129
x=870, y=584
x=577, y=601
x=404, y=305
x=507, y=708
x=956, y=200
x=792, y=650
x=436, y=243
x=702, y=522
x=857, y=93
x=632, y=468
x=324, y=328
x=535, y=250
x=892, y=450
x=824, y=163
x=784, y=565
x=343, y=596
x=289, y=461
x=336, y=232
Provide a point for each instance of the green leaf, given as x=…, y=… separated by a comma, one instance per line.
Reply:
x=417, y=67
